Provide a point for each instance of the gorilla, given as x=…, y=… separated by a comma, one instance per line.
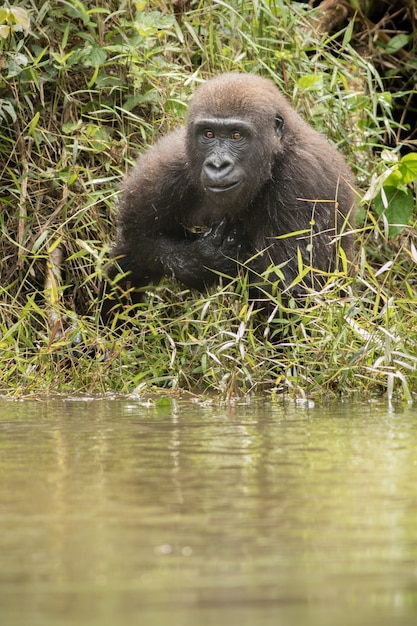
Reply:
x=245, y=182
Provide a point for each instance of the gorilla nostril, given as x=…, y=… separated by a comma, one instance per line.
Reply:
x=219, y=164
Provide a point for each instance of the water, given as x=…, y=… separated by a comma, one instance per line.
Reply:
x=115, y=513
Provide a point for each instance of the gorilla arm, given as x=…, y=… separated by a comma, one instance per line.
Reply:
x=158, y=200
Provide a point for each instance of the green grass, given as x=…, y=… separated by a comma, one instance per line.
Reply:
x=84, y=89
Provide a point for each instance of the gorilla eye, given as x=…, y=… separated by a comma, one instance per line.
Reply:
x=236, y=135
x=208, y=134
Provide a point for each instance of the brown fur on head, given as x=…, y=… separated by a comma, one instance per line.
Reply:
x=238, y=95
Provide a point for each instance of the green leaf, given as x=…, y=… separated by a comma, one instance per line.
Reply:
x=348, y=33
x=396, y=43
x=408, y=167
x=404, y=172
x=309, y=82
x=4, y=14
x=16, y=64
x=397, y=207
x=93, y=56
x=20, y=17
x=34, y=123
x=7, y=107
x=395, y=179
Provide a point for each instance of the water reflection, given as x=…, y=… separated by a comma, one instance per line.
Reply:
x=114, y=513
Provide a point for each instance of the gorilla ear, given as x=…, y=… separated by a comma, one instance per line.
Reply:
x=279, y=125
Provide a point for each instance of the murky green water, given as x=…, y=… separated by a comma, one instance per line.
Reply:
x=112, y=513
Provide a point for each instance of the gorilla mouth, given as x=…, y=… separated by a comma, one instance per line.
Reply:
x=222, y=188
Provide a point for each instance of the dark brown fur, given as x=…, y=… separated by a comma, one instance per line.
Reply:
x=169, y=224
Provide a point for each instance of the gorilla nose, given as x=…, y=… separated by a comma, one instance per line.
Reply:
x=218, y=167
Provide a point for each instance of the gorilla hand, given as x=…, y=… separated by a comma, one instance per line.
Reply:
x=199, y=263
x=222, y=240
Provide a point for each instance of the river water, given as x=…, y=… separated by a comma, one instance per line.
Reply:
x=265, y=514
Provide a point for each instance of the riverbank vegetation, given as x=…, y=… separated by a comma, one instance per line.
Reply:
x=84, y=87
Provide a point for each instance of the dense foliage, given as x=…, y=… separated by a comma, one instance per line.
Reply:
x=84, y=87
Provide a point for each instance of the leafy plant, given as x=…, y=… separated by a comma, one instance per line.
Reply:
x=13, y=20
x=393, y=192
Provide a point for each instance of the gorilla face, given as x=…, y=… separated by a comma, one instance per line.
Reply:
x=224, y=147
x=227, y=152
